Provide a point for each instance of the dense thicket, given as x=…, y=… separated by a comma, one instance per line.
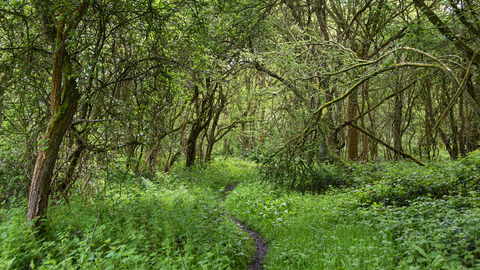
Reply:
x=94, y=87
x=369, y=81
x=92, y=84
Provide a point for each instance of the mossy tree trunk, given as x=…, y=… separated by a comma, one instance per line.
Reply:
x=64, y=100
x=204, y=114
x=50, y=145
x=211, y=138
x=463, y=127
x=398, y=120
x=430, y=141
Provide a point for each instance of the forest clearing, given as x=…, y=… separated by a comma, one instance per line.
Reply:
x=239, y=134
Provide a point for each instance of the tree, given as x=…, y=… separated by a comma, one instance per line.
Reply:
x=63, y=102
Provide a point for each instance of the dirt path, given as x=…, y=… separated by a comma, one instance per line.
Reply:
x=261, y=246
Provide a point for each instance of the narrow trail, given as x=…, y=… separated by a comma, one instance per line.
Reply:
x=261, y=246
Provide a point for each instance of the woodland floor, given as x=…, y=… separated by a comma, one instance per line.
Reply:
x=393, y=216
x=261, y=247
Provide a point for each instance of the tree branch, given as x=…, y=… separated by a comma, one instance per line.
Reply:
x=386, y=144
x=270, y=73
x=445, y=30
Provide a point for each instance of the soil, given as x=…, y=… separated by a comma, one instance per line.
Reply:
x=261, y=246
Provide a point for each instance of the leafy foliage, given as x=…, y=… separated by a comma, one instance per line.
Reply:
x=398, y=216
x=401, y=183
x=164, y=224
x=296, y=169
x=13, y=183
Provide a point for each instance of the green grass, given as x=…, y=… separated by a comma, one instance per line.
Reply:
x=307, y=232
x=397, y=216
x=172, y=221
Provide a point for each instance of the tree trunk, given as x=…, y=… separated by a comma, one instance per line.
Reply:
x=352, y=132
x=428, y=123
x=463, y=125
x=397, y=123
x=5, y=75
x=366, y=132
x=52, y=139
x=454, y=129
x=64, y=99
x=373, y=143
x=362, y=118
x=211, y=138
x=204, y=110
x=65, y=185
x=169, y=163
x=191, y=150
x=453, y=147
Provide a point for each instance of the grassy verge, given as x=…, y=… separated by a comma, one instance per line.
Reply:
x=396, y=216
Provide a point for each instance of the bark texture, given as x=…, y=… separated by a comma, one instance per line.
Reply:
x=48, y=153
x=64, y=100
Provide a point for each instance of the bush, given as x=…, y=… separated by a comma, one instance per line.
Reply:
x=400, y=183
x=299, y=175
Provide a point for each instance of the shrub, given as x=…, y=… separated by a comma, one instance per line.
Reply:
x=400, y=183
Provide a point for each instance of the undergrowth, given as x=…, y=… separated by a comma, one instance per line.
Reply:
x=389, y=216
x=395, y=216
x=307, y=232
x=174, y=221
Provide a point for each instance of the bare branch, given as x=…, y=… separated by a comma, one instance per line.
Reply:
x=78, y=121
x=366, y=132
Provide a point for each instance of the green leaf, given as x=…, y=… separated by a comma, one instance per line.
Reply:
x=110, y=254
x=438, y=261
x=91, y=256
x=419, y=249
